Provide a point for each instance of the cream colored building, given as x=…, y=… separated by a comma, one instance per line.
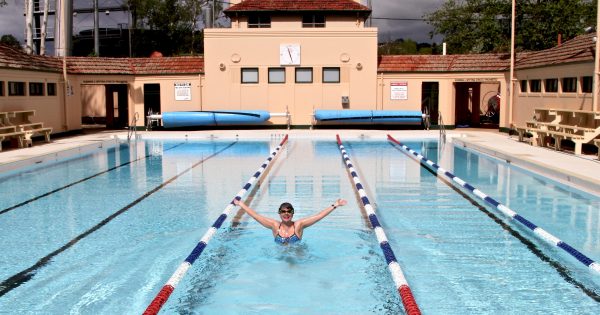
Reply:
x=294, y=57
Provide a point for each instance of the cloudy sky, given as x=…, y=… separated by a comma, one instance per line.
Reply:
x=387, y=16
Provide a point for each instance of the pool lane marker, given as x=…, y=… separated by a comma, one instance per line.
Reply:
x=18, y=279
x=538, y=231
x=3, y=211
x=169, y=287
x=408, y=300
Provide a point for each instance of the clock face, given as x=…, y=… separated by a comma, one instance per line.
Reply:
x=289, y=54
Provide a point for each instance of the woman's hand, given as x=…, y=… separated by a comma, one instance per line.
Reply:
x=237, y=202
x=340, y=202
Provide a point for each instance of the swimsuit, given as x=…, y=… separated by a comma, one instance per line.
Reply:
x=287, y=240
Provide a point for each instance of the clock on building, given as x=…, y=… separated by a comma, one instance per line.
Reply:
x=289, y=54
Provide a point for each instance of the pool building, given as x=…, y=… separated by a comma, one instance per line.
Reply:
x=291, y=59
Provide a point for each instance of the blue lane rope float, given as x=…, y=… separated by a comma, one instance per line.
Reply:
x=538, y=231
x=168, y=288
x=408, y=300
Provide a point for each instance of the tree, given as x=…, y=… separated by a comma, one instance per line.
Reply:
x=174, y=24
x=477, y=26
x=10, y=40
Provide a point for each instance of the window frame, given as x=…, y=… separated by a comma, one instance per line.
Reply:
x=313, y=20
x=15, y=84
x=587, y=84
x=551, y=85
x=51, y=91
x=331, y=68
x=296, y=70
x=277, y=69
x=523, y=86
x=36, y=89
x=261, y=21
x=244, y=70
x=570, y=83
x=535, y=86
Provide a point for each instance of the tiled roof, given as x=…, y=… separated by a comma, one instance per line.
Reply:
x=14, y=58
x=440, y=63
x=136, y=66
x=298, y=5
x=578, y=49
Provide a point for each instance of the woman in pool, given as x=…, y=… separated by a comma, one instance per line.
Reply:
x=287, y=231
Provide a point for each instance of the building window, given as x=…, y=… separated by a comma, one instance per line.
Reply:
x=304, y=75
x=36, y=89
x=331, y=75
x=276, y=75
x=551, y=85
x=523, y=86
x=535, y=85
x=259, y=21
x=587, y=84
x=569, y=85
x=16, y=88
x=249, y=75
x=313, y=20
x=51, y=89
x=1, y=88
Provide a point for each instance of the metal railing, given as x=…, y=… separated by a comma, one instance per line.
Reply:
x=442, y=128
x=133, y=127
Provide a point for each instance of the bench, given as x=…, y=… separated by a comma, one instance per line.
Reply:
x=7, y=132
x=21, y=121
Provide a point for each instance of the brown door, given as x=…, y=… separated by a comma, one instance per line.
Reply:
x=467, y=104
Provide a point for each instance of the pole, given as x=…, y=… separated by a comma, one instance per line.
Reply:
x=96, y=30
x=596, y=86
x=512, y=67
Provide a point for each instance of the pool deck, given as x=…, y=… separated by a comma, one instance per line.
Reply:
x=582, y=172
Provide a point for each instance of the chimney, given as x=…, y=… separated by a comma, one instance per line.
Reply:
x=559, y=39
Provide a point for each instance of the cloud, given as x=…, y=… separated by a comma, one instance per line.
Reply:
x=12, y=20
x=406, y=9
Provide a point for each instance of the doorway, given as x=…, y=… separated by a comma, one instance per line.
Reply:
x=151, y=100
x=117, y=106
x=430, y=92
x=466, y=104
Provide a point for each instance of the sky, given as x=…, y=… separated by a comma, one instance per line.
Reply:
x=387, y=15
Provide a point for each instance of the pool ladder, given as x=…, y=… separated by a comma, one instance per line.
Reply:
x=133, y=127
x=442, y=128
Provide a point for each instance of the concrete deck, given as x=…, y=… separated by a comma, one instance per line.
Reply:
x=581, y=172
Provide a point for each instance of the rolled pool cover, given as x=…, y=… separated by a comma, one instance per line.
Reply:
x=405, y=117
x=214, y=118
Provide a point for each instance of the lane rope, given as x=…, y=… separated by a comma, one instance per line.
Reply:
x=164, y=294
x=511, y=214
x=408, y=300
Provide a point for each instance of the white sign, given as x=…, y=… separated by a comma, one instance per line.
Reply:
x=183, y=91
x=399, y=90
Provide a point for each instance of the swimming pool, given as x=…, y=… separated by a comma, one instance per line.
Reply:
x=108, y=243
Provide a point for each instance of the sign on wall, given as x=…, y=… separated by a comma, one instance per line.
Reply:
x=399, y=90
x=183, y=91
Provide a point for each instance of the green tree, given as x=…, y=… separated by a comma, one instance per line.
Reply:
x=173, y=26
x=476, y=26
x=10, y=40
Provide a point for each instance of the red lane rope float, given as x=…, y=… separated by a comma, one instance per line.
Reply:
x=408, y=300
x=167, y=289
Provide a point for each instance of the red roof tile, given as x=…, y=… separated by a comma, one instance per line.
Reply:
x=136, y=66
x=578, y=49
x=14, y=58
x=440, y=63
x=297, y=5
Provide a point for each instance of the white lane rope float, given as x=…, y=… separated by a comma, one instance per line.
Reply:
x=408, y=300
x=538, y=231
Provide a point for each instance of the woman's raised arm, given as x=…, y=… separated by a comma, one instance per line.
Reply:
x=264, y=221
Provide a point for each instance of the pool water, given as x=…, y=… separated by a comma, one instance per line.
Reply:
x=108, y=244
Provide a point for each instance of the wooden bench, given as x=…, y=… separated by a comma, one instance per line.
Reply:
x=7, y=132
x=21, y=120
